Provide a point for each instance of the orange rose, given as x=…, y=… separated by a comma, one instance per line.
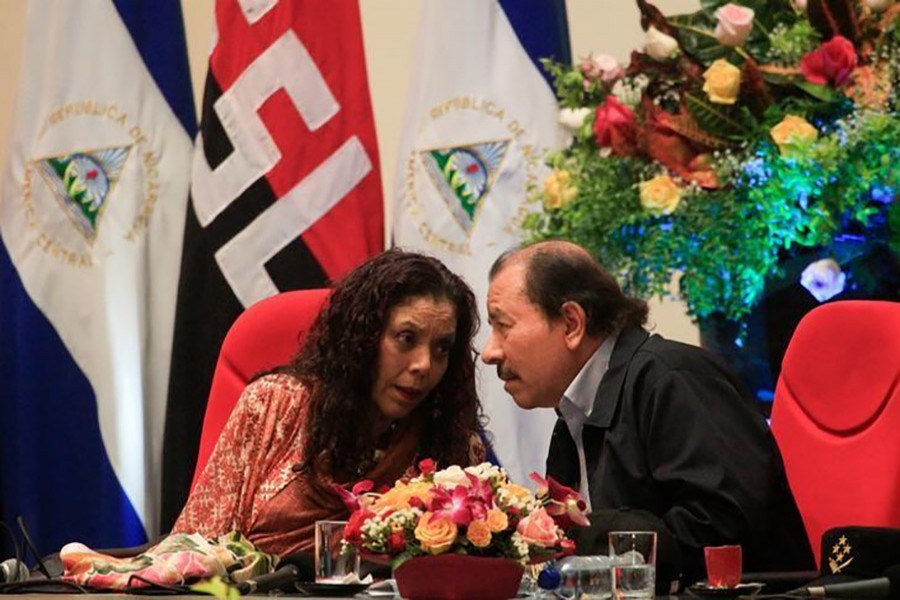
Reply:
x=399, y=496
x=497, y=520
x=436, y=534
x=479, y=533
x=538, y=529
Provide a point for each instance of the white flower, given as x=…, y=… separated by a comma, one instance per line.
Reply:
x=451, y=477
x=823, y=279
x=573, y=118
x=879, y=5
x=659, y=45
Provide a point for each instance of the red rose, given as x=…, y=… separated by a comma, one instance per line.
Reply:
x=396, y=543
x=353, y=528
x=615, y=128
x=832, y=63
x=426, y=467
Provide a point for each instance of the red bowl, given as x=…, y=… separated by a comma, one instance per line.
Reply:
x=458, y=577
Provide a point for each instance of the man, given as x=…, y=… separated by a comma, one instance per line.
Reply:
x=656, y=434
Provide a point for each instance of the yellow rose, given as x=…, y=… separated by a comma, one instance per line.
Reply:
x=790, y=131
x=436, y=534
x=660, y=195
x=497, y=520
x=723, y=82
x=558, y=189
x=479, y=533
x=513, y=491
x=399, y=496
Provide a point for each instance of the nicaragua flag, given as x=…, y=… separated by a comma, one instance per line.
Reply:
x=92, y=209
x=481, y=115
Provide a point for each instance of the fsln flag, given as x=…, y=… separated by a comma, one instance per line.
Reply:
x=92, y=210
x=481, y=114
x=285, y=192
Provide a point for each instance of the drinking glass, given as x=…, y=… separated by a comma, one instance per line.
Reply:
x=335, y=563
x=723, y=566
x=633, y=555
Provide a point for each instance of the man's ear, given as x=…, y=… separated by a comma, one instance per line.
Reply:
x=575, y=320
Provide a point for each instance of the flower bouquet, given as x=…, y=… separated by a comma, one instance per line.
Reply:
x=749, y=143
x=473, y=519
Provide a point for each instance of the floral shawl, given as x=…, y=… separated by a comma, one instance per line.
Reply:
x=177, y=560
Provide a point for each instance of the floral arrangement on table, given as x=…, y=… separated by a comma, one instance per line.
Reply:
x=475, y=511
x=745, y=137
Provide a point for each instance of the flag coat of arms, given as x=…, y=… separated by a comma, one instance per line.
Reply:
x=285, y=191
x=481, y=115
x=92, y=211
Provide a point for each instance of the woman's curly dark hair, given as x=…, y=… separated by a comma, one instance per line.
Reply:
x=340, y=357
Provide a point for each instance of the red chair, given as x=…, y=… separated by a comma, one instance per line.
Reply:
x=264, y=336
x=836, y=416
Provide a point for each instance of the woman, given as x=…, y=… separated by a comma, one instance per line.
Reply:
x=385, y=378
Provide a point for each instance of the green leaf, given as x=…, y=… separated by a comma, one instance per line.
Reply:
x=820, y=92
x=717, y=120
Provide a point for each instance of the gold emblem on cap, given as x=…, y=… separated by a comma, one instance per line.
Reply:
x=840, y=552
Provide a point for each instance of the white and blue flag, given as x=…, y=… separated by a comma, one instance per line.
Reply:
x=92, y=210
x=481, y=114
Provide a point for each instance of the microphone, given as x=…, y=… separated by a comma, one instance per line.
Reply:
x=887, y=586
x=13, y=570
x=285, y=575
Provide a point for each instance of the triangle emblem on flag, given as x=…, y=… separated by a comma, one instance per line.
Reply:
x=82, y=183
x=464, y=175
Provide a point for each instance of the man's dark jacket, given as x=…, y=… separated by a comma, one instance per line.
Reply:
x=674, y=446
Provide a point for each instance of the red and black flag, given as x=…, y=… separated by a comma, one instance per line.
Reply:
x=285, y=193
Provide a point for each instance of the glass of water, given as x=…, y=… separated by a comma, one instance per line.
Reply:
x=633, y=555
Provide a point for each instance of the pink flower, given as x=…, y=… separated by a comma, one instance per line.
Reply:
x=602, y=67
x=351, y=498
x=538, y=529
x=566, y=505
x=834, y=62
x=735, y=24
x=453, y=505
x=800, y=4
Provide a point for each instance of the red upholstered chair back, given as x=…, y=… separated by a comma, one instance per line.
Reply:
x=264, y=336
x=836, y=416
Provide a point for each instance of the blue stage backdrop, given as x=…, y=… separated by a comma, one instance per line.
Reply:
x=92, y=210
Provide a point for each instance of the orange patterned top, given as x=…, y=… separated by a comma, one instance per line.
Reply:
x=249, y=483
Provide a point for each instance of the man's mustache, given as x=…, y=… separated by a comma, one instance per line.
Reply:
x=506, y=374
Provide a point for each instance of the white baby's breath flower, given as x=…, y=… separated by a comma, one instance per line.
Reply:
x=520, y=546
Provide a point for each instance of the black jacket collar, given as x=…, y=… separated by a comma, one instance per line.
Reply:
x=607, y=398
